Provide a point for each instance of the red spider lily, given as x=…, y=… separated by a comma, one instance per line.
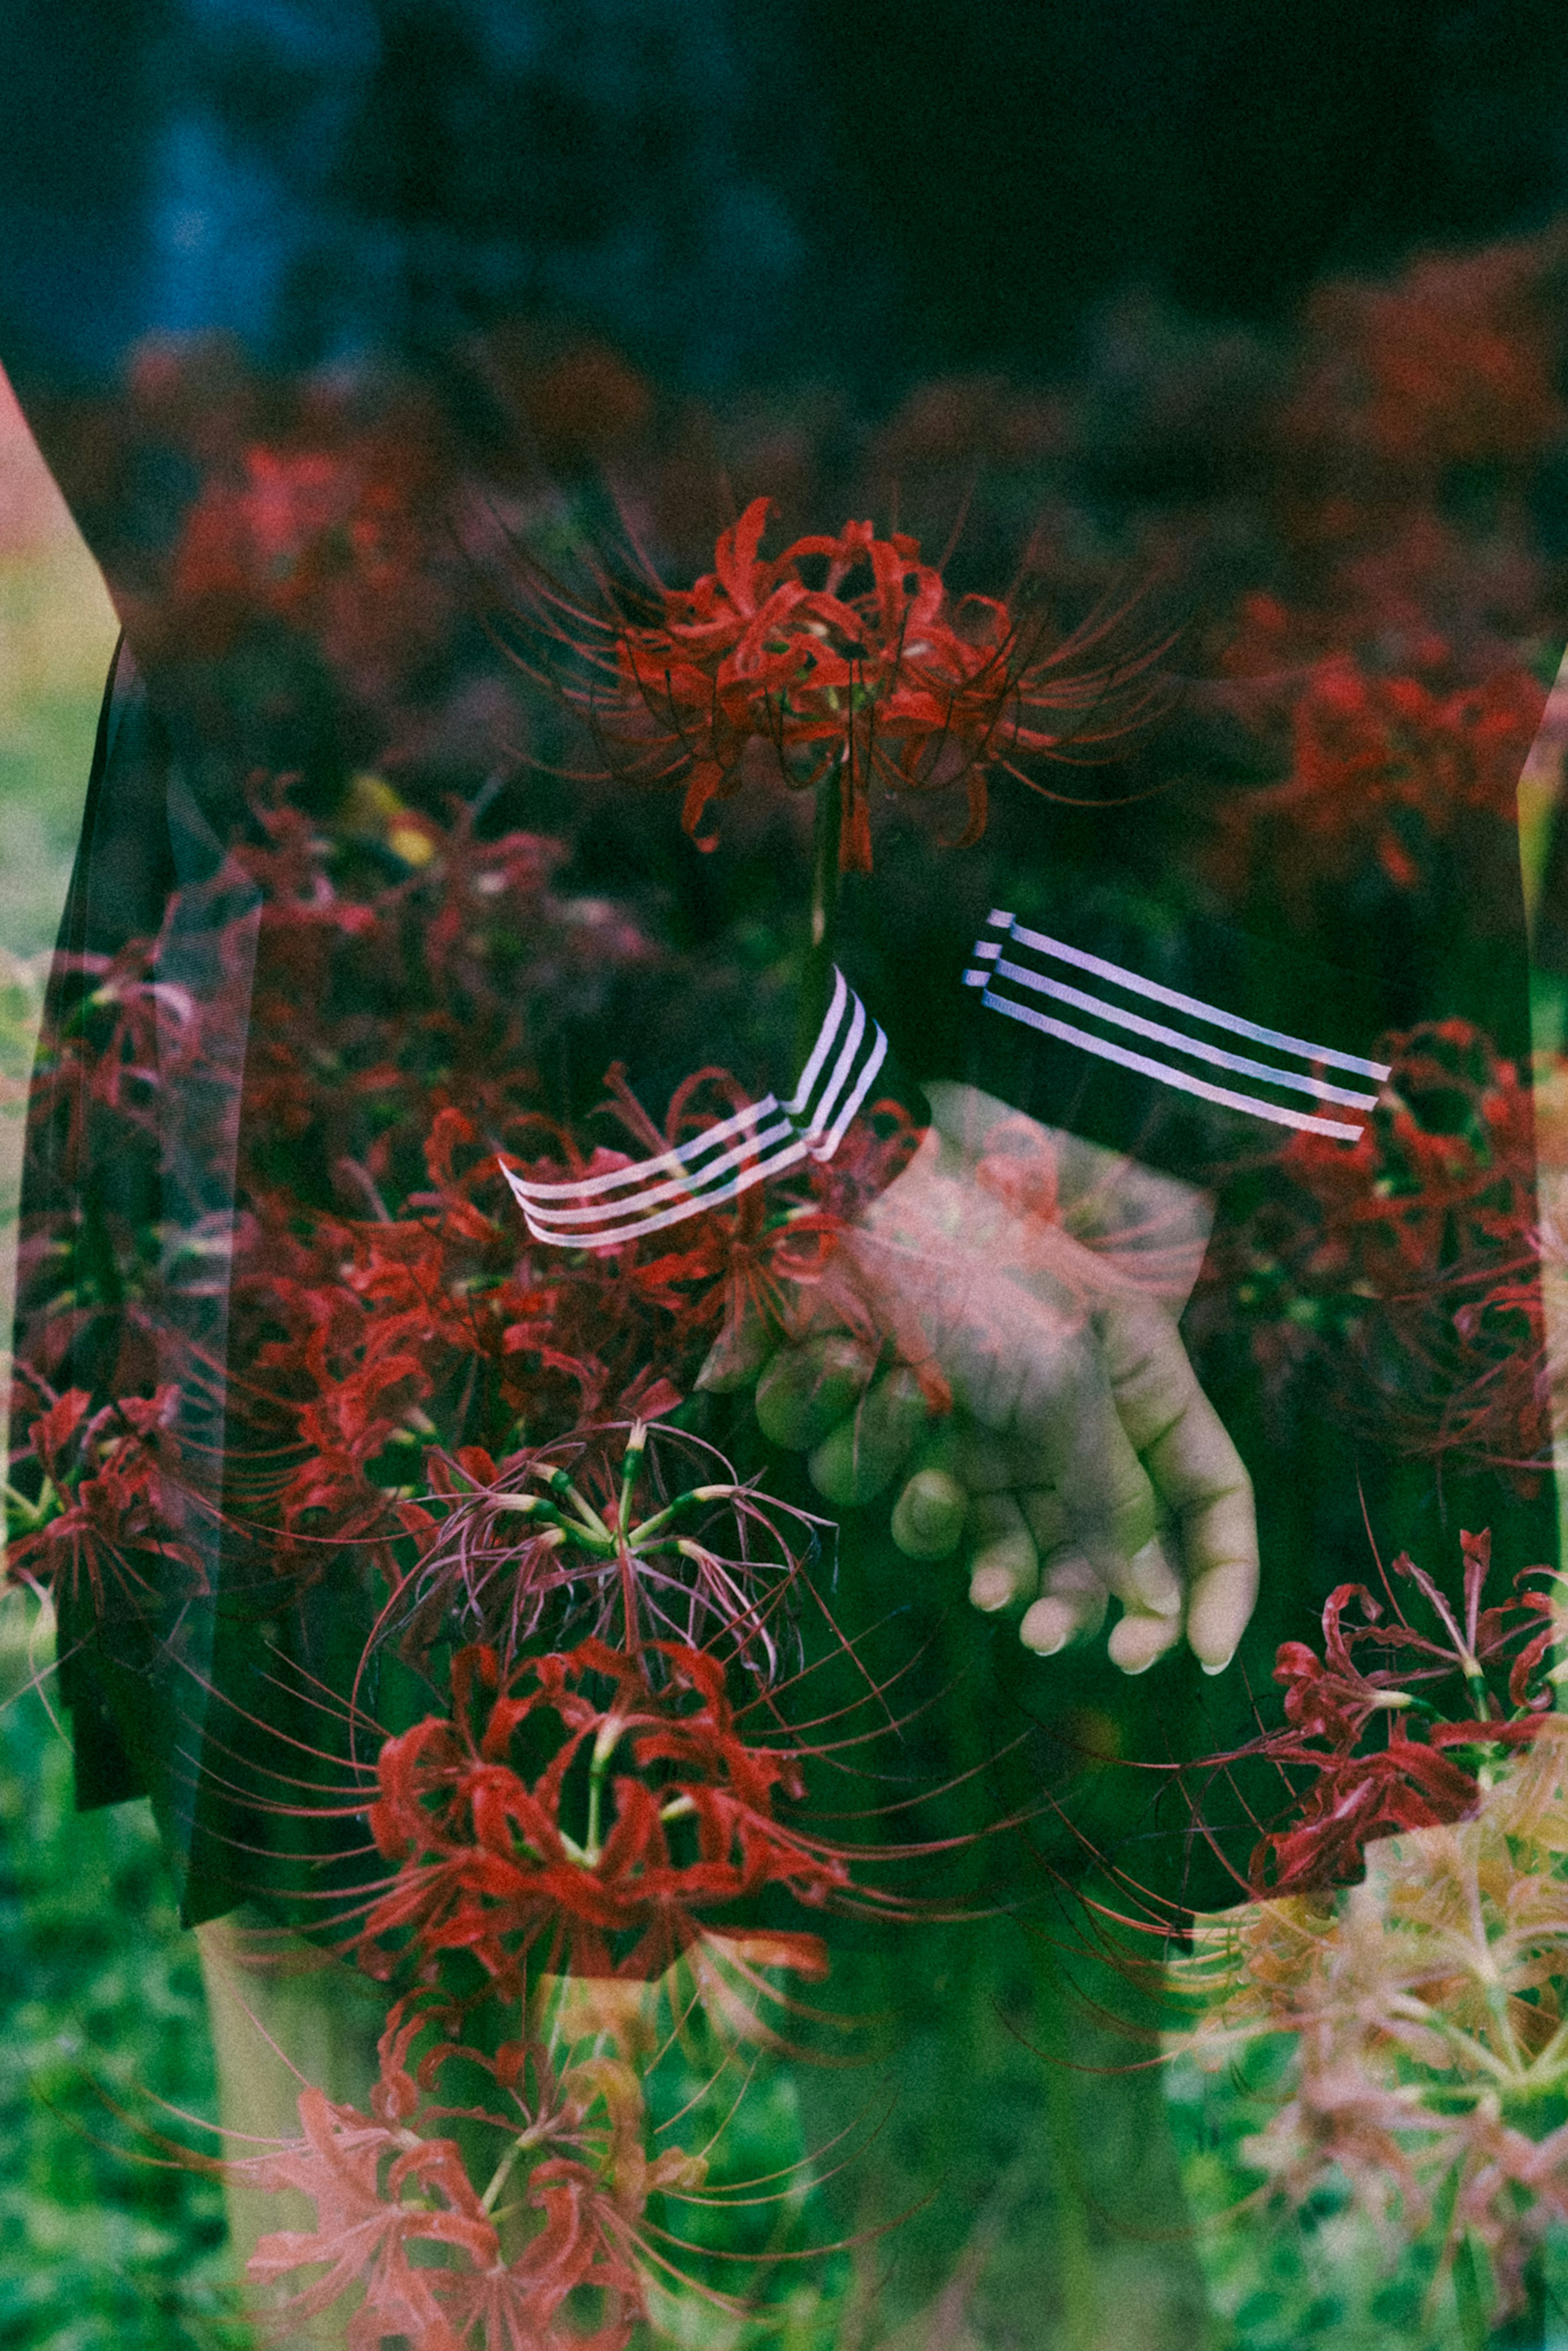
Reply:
x=1384, y=763
x=559, y=2223
x=1452, y=362
x=1412, y=1780
x=375, y=2190
x=1447, y=1154
x=487, y=1863
x=895, y=685
x=517, y=2305
x=561, y=1529
x=333, y=529
x=356, y=2171
x=109, y=1502
x=1409, y=1785
x=1408, y=1261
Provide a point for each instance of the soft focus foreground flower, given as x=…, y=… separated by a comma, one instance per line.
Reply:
x=1428, y=2009
x=546, y=2258
x=1396, y=746
x=892, y=682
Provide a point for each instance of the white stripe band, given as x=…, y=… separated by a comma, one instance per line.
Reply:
x=836, y=1132
x=643, y=1171
x=1212, y=1014
x=1110, y=1051
x=608, y=1236
x=1199, y=1046
x=600, y=1211
x=543, y=1198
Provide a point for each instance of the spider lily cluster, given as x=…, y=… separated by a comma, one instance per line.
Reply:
x=580, y=1710
x=1409, y=1933
x=1398, y=1279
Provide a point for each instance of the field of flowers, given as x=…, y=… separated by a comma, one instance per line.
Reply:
x=1366, y=2104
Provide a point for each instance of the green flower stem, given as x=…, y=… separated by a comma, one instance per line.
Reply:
x=604, y=1746
x=641, y=1536
x=816, y=975
x=630, y=1464
x=527, y=2140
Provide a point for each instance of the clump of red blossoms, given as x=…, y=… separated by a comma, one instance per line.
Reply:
x=845, y=660
x=1438, y=1749
x=504, y=1854
x=1394, y=749
x=551, y=2255
x=1406, y=1265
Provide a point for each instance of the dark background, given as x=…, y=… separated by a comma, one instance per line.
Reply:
x=734, y=190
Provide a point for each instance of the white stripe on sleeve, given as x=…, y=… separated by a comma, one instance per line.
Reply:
x=760, y=1140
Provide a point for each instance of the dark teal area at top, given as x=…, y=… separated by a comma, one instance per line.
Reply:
x=731, y=191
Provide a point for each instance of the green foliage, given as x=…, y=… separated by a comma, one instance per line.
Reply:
x=102, y=2016
x=758, y=2213
x=1327, y=2274
x=56, y=632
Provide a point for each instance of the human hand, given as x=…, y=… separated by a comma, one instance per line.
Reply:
x=1041, y=1414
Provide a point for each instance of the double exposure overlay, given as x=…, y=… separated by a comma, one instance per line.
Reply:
x=789, y=1191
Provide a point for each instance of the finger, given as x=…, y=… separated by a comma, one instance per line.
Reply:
x=808, y=1388
x=1147, y=1585
x=1138, y=1639
x=1004, y=1566
x=859, y=1459
x=1074, y=1603
x=1204, y=1480
x=1071, y=1606
x=927, y=1520
x=1225, y=1593
x=1198, y=1474
x=1082, y=1450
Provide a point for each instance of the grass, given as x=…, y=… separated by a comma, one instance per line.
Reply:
x=103, y=2248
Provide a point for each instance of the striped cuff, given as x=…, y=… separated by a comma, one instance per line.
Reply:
x=763, y=1140
x=1165, y=1052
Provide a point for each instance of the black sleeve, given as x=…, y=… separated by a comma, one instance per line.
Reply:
x=1110, y=986
x=1187, y=1050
